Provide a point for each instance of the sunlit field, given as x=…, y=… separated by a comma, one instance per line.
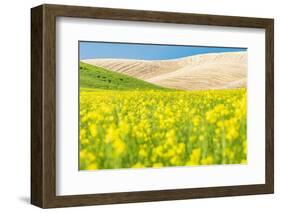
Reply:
x=156, y=128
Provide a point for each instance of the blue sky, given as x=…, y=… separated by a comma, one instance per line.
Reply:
x=90, y=50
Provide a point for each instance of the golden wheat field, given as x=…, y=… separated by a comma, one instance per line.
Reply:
x=150, y=128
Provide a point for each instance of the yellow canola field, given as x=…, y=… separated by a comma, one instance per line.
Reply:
x=140, y=129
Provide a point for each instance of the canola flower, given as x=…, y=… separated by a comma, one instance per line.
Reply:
x=141, y=129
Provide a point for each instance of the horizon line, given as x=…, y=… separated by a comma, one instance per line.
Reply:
x=139, y=51
x=171, y=59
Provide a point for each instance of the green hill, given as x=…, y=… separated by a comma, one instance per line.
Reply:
x=99, y=78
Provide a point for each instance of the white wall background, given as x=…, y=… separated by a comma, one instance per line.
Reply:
x=15, y=105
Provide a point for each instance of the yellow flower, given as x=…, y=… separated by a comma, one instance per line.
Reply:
x=220, y=124
x=229, y=154
x=218, y=131
x=231, y=134
x=211, y=117
x=111, y=135
x=86, y=155
x=124, y=127
x=142, y=153
x=207, y=161
x=138, y=165
x=119, y=146
x=194, y=157
x=171, y=153
x=180, y=148
x=82, y=134
x=157, y=165
x=93, y=130
x=170, y=135
x=174, y=161
x=201, y=138
x=196, y=120
x=83, y=154
x=92, y=166
x=159, y=150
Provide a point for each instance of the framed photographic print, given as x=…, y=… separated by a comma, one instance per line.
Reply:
x=136, y=106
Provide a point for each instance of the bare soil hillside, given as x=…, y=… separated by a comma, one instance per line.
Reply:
x=199, y=72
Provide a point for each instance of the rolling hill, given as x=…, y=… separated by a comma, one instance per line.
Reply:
x=198, y=72
x=93, y=77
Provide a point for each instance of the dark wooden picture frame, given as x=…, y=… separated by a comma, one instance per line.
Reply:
x=43, y=105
